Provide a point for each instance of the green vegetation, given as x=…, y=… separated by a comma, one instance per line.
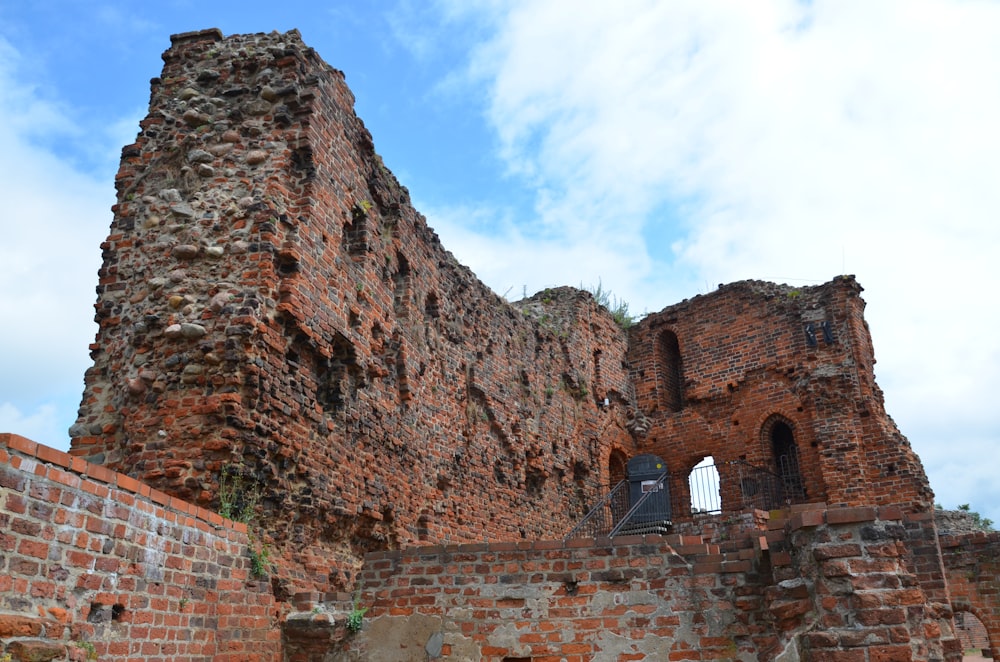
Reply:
x=85, y=646
x=361, y=208
x=357, y=615
x=238, y=500
x=617, y=307
x=980, y=522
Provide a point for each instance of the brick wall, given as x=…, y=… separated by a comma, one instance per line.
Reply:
x=972, y=567
x=92, y=557
x=270, y=300
x=752, y=355
x=823, y=585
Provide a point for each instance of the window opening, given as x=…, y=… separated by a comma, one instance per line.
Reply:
x=786, y=460
x=703, y=482
x=671, y=372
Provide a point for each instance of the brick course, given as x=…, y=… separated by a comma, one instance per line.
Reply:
x=94, y=560
x=713, y=372
x=846, y=595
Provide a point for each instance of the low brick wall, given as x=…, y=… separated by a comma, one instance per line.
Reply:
x=822, y=585
x=92, y=560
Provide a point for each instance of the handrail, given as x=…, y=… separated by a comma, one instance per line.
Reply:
x=661, y=479
x=599, y=508
x=756, y=487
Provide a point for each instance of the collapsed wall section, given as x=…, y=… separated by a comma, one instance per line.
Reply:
x=780, y=378
x=94, y=563
x=271, y=305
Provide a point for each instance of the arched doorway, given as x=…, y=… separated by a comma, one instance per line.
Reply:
x=617, y=463
x=780, y=437
x=971, y=632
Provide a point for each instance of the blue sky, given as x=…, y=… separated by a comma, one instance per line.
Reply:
x=660, y=148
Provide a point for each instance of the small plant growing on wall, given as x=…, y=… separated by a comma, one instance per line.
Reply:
x=85, y=647
x=238, y=499
x=356, y=618
x=617, y=307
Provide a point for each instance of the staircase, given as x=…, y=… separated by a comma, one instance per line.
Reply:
x=626, y=510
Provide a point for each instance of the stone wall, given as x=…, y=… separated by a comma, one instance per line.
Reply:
x=93, y=561
x=271, y=302
x=822, y=585
x=723, y=373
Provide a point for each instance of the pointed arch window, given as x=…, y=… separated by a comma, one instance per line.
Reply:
x=671, y=372
x=779, y=435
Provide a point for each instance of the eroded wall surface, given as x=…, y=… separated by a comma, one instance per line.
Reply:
x=271, y=306
x=972, y=566
x=271, y=302
x=821, y=585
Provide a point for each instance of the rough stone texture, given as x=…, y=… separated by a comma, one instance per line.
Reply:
x=271, y=306
x=271, y=301
x=293, y=316
x=88, y=555
x=972, y=567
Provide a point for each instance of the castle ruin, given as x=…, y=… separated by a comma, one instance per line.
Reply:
x=408, y=446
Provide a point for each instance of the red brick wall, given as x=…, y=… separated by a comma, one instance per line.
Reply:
x=832, y=585
x=972, y=567
x=270, y=299
x=88, y=555
x=745, y=361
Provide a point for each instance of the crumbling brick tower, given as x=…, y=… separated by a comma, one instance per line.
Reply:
x=779, y=378
x=269, y=300
x=271, y=304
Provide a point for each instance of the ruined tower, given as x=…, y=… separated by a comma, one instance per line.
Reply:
x=271, y=304
x=282, y=336
x=272, y=307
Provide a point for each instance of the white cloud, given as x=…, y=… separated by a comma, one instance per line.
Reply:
x=54, y=218
x=804, y=140
x=39, y=425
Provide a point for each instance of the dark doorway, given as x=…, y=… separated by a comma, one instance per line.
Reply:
x=786, y=460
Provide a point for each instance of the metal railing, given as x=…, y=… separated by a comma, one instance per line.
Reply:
x=739, y=484
x=704, y=484
x=602, y=517
x=616, y=515
x=766, y=490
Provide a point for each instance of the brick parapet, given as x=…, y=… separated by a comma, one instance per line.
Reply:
x=89, y=557
x=828, y=583
x=20, y=451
